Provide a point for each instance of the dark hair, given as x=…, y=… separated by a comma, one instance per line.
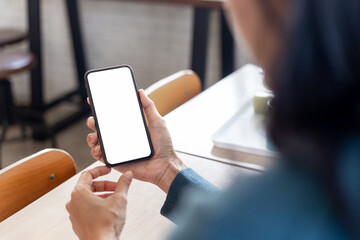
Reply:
x=317, y=87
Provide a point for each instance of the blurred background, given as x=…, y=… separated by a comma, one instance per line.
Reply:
x=154, y=38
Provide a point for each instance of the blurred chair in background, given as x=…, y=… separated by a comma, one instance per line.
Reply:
x=11, y=63
x=11, y=36
x=171, y=92
x=26, y=180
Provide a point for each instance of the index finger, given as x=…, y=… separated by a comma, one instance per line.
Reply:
x=87, y=177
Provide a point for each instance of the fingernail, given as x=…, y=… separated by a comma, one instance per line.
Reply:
x=128, y=175
x=97, y=148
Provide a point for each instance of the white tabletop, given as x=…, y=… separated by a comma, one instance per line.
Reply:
x=193, y=124
x=47, y=218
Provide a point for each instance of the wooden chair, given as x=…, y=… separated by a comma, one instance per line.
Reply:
x=26, y=180
x=171, y=92
x=11, y=36
x=11, y=63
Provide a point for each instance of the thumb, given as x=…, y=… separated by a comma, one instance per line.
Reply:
x=152, y=114
x=123, y=184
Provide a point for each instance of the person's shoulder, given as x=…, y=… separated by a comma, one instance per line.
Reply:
x=283, y=202
x=280, y=202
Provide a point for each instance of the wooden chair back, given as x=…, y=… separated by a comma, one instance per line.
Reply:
x=26, y=180
x=171, y=92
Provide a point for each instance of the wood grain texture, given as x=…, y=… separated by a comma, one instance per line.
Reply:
x=173, y=91
x=29, y=179
x=47, y=217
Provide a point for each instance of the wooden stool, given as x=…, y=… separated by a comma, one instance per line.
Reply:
x=10, y=63
x=10, y=36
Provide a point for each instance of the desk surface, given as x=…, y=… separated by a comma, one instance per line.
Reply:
x=47, y=218
x=192, y=124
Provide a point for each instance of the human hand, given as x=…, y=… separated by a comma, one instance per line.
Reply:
x=99, y=216
x=163, y=167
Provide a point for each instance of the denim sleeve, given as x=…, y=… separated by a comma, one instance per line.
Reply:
x=185, y=179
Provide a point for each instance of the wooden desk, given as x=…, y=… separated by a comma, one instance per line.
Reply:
x=47, y=217
x=192, y=124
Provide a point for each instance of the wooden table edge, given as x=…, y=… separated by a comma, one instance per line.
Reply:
x=245, y=165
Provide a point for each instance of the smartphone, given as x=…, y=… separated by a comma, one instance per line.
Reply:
x=118, y=113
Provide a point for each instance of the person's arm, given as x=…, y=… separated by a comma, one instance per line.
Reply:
x=185, y=179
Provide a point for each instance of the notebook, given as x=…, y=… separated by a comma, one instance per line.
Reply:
x=244, y=132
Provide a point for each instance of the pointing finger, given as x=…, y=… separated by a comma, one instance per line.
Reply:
x=88, y=176
x=123, y=184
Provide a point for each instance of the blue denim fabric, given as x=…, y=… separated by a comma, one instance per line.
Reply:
x=283, y=203
x=185, y=180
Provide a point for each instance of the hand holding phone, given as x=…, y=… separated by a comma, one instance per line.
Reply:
x=160, y=169
x=119, y=119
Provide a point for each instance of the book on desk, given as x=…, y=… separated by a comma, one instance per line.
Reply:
x=245, y=131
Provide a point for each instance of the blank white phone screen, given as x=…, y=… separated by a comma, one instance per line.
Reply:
x=118, y=115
